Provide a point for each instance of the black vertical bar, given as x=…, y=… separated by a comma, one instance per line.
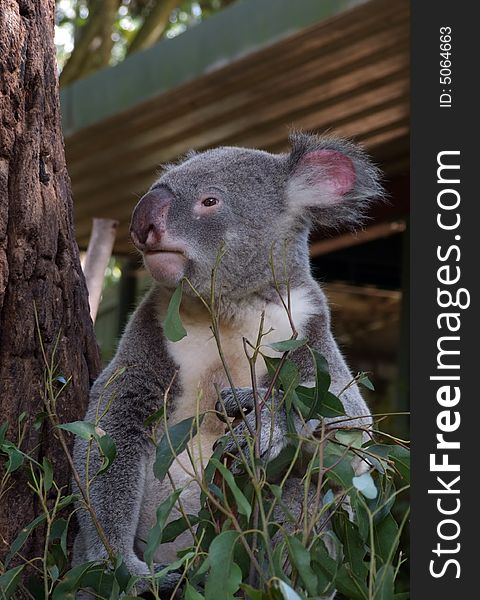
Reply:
x=444, y=119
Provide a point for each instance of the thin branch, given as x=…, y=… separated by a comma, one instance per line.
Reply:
x=154, y=25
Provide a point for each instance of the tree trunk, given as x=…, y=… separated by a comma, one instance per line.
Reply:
x=39, y=261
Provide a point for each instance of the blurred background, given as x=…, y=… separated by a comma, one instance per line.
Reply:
x=143, y=81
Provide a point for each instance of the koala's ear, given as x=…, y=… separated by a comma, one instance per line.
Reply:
x=330, y=180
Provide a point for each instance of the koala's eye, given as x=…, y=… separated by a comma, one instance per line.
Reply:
x=209, y=202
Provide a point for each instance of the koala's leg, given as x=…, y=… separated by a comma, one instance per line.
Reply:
x=116, y=497
x=293, y=498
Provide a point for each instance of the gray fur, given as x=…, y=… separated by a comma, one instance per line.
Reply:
x=258, y=217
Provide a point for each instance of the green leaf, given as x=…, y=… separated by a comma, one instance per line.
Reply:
x=353, y=438
x=283, y=591
x=108, y=449
x=252, y=593
x=287, y=345
x=301, y=560
x=9, y=581
x=154, y=538
x=173, y=442
x=386, y=538
x=288, y=377
x=71, y=581
x=243, y=504
x=40, y=417
x=365, y=484
x=81, y=428
x=191, y=593
x=210, y=470
x=348, y=584
x=59, y=531
x=225, y=576
x=175, y=528
x=365, y=381
x=154, y=417
x=47, y=474
x=401, y=458
x=172, y=325
x=332, y=406
x=384, y=587
x=322, y=381
x=361, y=512
x=22, y=537
x=326, y=567
x=337, y=461
x=26, y=531
x=353, y=547
x=122, y=574
x=15, y=457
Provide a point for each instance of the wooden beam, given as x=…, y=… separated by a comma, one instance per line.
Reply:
x=374, y=232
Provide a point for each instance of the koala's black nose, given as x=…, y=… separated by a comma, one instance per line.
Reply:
x=149, y=219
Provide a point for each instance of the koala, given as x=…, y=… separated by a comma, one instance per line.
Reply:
x=260, y=208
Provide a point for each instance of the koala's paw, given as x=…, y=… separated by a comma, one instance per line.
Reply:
x=273, y=430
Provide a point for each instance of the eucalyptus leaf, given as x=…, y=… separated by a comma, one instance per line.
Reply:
x=81, y=428
x=225, y=576
x=172, y=325
x=154, y=538
x=365, y=381
x=283, y=591
x=353, y=438
x=384, y=586
x=21, y=538
x=108, y=449
x=401, y=458
x=242, y=503
x=300, y=558
x=173, y=443
x=174, y=528
x=9, y=581
x=386, y=538
x=288, y=377
x=353, y=546
x=71, y=581
x=287, y=345
x=15, y=458
x=365, y=484
x=47, y=474
x=191, y=593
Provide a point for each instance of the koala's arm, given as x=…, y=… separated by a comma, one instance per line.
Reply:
x=116, y=495
x=319, y=335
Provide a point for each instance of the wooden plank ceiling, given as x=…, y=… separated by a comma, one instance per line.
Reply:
x=348, y=74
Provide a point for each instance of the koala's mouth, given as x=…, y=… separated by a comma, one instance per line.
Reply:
x=166, y=264
x=164, y=252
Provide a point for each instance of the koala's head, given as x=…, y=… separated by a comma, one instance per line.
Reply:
x=253, y=204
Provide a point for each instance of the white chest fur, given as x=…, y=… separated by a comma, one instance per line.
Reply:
x=201, y=371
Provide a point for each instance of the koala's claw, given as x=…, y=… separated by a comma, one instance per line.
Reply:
x=273, y=431
x=234, y=404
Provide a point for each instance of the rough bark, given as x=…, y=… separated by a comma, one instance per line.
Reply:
x=39, y=262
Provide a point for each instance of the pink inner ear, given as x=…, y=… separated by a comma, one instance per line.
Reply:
x=335, y=170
